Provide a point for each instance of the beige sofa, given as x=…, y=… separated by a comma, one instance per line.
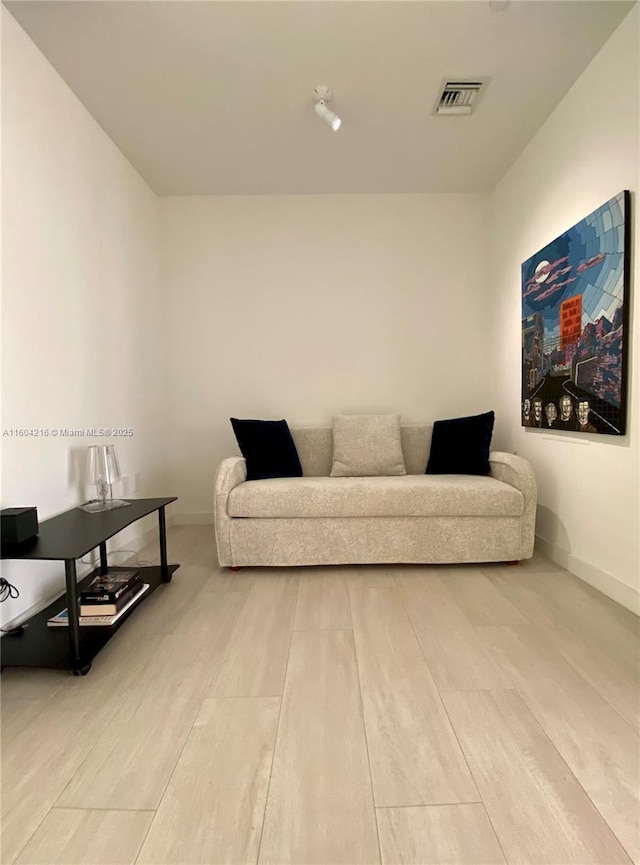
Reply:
x=412, y=518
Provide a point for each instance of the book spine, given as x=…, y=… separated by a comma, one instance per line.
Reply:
x=111, y=620
x=94, y=608
x=110, y=597
x=62, y=621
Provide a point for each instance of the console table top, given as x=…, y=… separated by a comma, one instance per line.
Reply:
x=75, y=532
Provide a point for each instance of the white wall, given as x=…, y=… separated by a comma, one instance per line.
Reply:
x=305, y=306
x=587, y=152
x=81, y=316
x=292, y=306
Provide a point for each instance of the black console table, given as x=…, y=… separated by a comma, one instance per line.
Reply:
x=68, y=537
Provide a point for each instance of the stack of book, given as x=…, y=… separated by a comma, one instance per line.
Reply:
x=105, y=599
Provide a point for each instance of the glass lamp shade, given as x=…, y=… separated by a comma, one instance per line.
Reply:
x=102, y=465
x=103, y=469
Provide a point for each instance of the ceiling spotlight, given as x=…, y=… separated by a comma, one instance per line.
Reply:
x=322, y=95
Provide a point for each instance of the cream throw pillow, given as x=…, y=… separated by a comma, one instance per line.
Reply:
x=367, y=445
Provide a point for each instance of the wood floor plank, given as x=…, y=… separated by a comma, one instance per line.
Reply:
x=320, y=806
x=135, y=755
x=17, y=714
x=438, y=835
x=415, y=758
x=599, y=747
x=42, y=758
x=255, y=659
x=480, y=601
x=578, y=605
x=607, y=656
x=224, y=580
x=152, y=677
x=81, y=837
x=213, y=808
x=456, y=655
x=22, y=683
x=323, y=600
x=165, y=610
x=616, y=685
x=538, y=809
x=375, y=576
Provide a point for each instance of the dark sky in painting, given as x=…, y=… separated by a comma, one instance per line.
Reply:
x=586, y=260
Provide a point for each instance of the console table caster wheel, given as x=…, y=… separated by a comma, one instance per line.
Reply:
x=82, y=671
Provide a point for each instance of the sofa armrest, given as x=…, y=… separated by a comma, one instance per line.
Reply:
x=231, y=472
x=517, y=472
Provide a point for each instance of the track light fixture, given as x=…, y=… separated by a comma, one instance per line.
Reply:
x=322, y=95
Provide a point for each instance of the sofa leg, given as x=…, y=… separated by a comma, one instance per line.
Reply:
x=514, y=562
x=234, y=567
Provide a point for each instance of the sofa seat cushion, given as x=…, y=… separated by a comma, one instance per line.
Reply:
x=402, y=496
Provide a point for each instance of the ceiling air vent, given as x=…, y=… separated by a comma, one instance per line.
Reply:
x=460, y=97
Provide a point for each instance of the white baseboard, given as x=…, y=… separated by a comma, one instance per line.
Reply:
x=610, y=586
x=198, y=518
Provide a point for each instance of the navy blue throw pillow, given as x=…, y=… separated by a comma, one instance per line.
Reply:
x=268, y=448
x=460, y=446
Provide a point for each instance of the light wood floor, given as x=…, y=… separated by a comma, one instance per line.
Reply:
x=338, y=715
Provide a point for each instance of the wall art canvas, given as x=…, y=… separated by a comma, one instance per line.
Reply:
x=574, y=326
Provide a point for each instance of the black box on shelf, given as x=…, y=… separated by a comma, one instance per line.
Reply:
x=18, y=524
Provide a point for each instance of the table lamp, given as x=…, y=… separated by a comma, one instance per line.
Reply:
x=103, y=470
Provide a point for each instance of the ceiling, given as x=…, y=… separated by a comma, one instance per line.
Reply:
x=216, y=97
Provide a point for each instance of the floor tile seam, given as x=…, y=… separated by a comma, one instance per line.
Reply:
x=85, y=808
x=473, y=690
x=484, y=804
x=537, y=721
x=44, y=700
x=495, y=832
x=439, y=696
x=171, y=774
x=277, y=735
x=244, y=697
x=225, y=654
x=505, y=597
x=429, y=805
x=576, y=778
x=582, y=586
x=320, y=630
x=572, y=628
x=28, y=840
x=221, y=657
x=364, y=723
x=571, y=632
x=92, y=747
x=435, y=684
x=195, y=711
x=567, y=660
x=602, y=696
x=465, y=618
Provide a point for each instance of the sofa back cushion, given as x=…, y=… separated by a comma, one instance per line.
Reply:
x=416, y=444
x=315, y=449
x=367, y=445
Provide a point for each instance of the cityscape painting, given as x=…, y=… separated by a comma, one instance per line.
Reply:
x=574, y=313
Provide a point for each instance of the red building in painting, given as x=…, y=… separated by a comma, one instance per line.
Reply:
x=570, y=320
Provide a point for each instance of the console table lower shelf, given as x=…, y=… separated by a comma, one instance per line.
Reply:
x=35, y=644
